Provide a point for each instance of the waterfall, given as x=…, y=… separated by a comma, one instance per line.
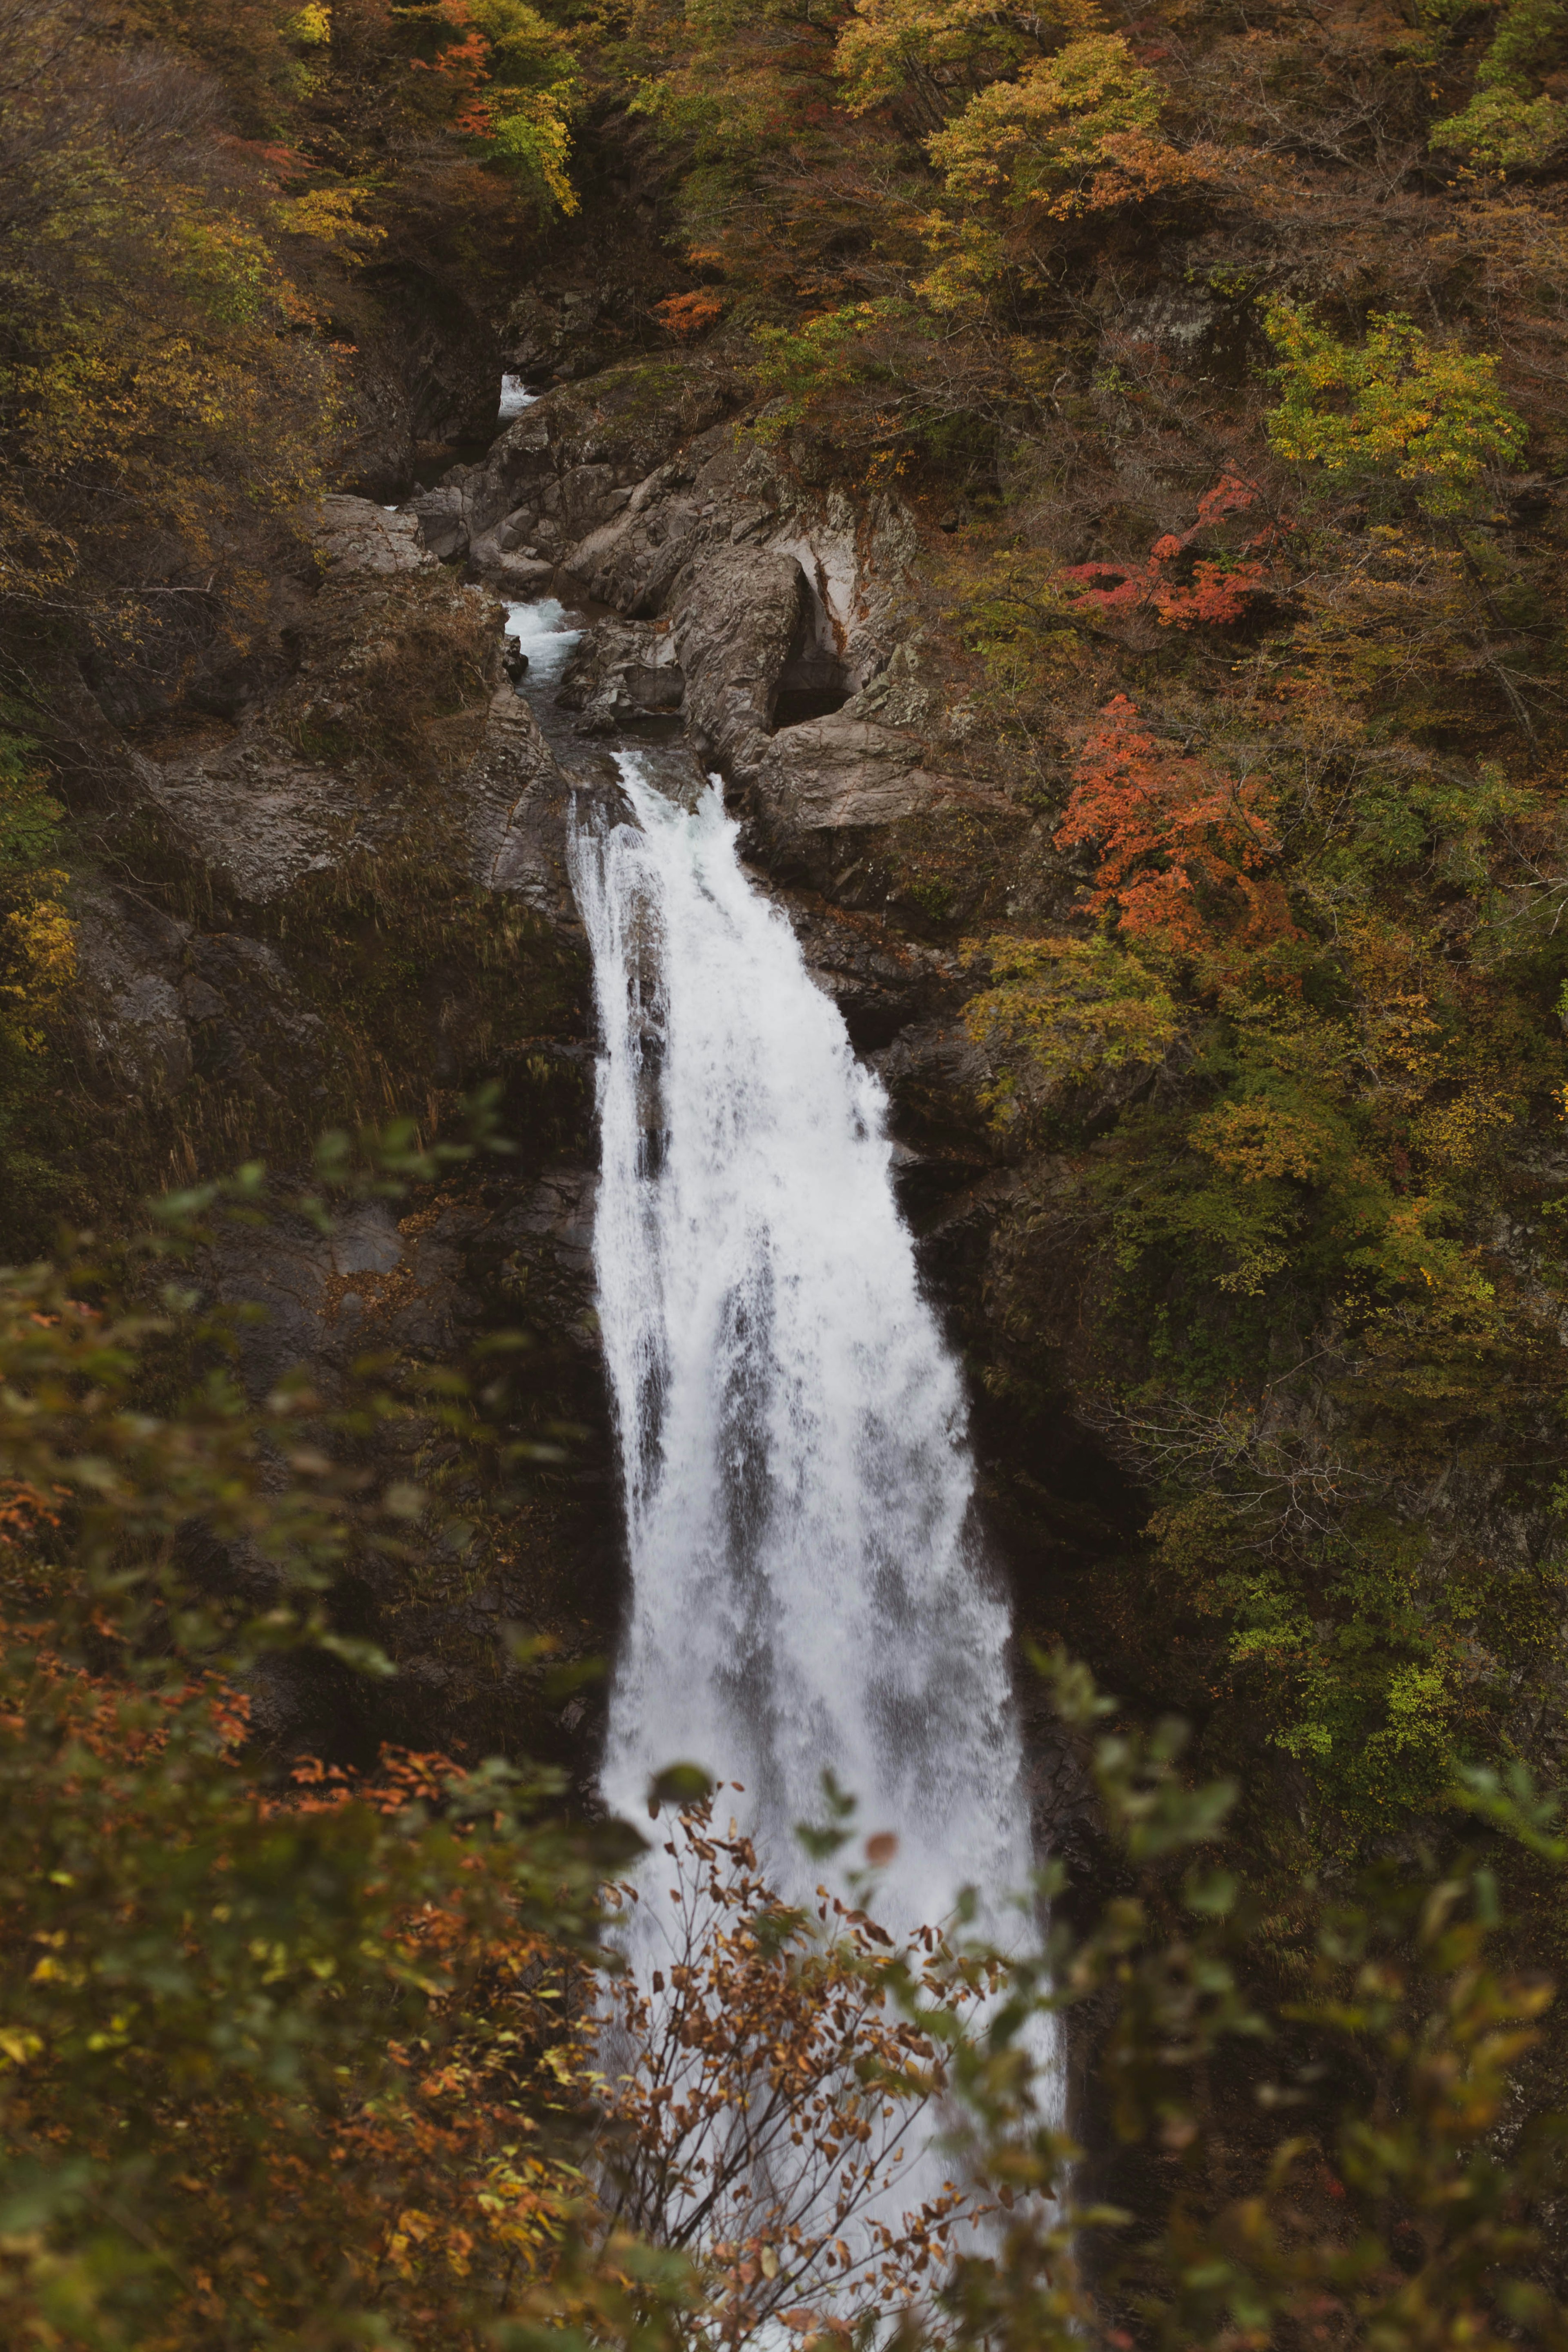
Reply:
x=807, y=1585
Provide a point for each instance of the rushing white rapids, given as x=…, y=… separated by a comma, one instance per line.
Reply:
x=798, y=1489
x=546, y=635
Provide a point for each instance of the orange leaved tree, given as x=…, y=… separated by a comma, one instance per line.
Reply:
x=772, y=2092
x=1218, y=590
x=1183, y=848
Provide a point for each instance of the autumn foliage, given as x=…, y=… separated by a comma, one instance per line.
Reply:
x=1183, y=848
x=768, y=2096
x=292, y=2045
x=1218, y=592
x=685, y=316
x=301, y=2059
x=1213, y=362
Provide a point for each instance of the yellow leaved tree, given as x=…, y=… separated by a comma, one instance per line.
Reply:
x=1072, y=134
x=1510, y=120
x=1428, y=415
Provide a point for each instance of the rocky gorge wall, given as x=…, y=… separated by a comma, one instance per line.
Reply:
x=348, y=900
x=348, y=904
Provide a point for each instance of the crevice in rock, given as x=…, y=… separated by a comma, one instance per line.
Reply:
x=815, y=681
x=794, y=705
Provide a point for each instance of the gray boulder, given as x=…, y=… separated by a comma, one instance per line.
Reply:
x=623, y=671
x=517, y=808
x=570, y=462
x=744, y=613
x=357, y=536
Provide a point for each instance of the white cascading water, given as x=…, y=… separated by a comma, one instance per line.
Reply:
x=805, y=1590
x=544, y=636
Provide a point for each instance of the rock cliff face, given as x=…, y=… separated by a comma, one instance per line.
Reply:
x=775, y=620
x=395, y=724
x=781, y=624
x=351, y=903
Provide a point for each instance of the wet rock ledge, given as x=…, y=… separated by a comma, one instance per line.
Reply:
x=776, y=619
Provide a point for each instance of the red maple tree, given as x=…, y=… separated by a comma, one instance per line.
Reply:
x=1218, y=594
x=1181, y=844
